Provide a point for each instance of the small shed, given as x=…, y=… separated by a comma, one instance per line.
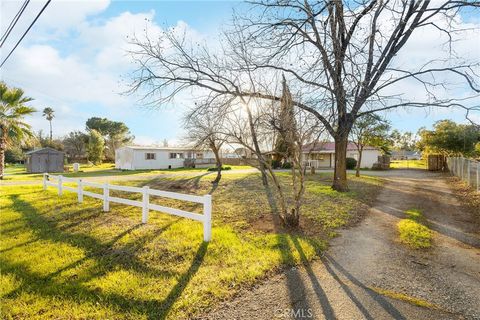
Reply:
x=44, y=160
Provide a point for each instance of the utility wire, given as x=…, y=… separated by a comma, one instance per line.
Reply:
x=14, y=22
x=25, y=33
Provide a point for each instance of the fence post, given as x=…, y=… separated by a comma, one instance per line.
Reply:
x=468, y=172
x=145, y=201
x=460, y=166
x=60, y=187
x=45, y=180
x=478, y=178
x=80, y=191
x=207, y=218
x=106, y=205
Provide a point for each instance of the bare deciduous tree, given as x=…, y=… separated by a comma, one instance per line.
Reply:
x=342, y=56
x=254, y=126
x=204, y=125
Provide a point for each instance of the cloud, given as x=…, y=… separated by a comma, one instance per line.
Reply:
x=76, y=67
x=74, y=59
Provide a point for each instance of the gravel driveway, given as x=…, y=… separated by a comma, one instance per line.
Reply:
x=368, y=259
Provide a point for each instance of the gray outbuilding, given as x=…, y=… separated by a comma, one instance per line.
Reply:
x=44, y=160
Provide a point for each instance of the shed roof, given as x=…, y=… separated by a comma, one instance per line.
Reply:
x=44, y=150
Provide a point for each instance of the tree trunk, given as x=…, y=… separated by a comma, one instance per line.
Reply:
x=51, y=135
x=262, y=167
x=360, y=152
x=3, y=146
x=340, y=170
x=298, y=182
x=219, y=163
x=281, y=196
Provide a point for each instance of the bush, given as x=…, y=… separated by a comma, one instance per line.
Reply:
x=351, y=163
x=287, y=165
x=223, y=168
x=13, y=155
x=276, y=164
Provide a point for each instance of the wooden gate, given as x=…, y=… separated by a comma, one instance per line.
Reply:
x=436, y=162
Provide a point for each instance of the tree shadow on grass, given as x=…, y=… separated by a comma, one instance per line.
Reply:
x=177, y=184
x=75, y=288
x=294, y=282
x=72, y=290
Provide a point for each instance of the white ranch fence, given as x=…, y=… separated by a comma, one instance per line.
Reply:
x=58, y=181
x=466, y=169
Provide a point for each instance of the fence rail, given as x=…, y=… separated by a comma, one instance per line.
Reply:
x=466, y=169
x=206, y=200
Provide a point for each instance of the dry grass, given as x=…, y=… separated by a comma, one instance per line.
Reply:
x=470, y=199
x=63, y=260
x=403, y=297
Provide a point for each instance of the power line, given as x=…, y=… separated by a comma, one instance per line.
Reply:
x=25, y=33
x=14, y=22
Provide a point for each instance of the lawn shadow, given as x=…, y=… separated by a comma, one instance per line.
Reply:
x=100, y=253
x=182, y=283
x=294, y=282
x=177, y=184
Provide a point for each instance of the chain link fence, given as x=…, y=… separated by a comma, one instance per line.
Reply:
x=466, y=169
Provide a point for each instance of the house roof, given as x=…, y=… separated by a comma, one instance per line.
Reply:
x=329, y=147
x=44, y=150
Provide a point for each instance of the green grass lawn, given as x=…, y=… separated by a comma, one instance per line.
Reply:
x=408, y=164
x=18, y=172
x=413, y=232
x=66, y=260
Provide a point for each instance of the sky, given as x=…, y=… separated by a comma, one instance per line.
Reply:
x=74, y=60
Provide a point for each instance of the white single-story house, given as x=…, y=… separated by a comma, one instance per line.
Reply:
x=322, y=154
x=140, y=157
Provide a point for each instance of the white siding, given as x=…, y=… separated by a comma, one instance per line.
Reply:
x=124, y=158
x=134, y=158
x=162, y=159
x=369, y=157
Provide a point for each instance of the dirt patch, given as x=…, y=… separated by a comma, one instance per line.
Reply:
x=369, y=255
x=270, y=223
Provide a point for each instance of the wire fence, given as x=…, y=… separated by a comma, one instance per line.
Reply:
x=466, y=169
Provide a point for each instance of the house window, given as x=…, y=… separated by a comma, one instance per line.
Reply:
x=150, y=156
x=199, y=155
x=176, y=155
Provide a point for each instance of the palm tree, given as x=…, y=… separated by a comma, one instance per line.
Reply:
x=48, y=113
x=12, y=127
